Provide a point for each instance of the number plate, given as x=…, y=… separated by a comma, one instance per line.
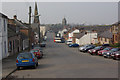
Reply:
x=25, y=60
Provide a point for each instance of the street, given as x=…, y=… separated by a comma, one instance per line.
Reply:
x=60, y=61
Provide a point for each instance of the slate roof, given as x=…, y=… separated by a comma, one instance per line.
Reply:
x=106, y=34
x=80, y=35
x=11, y=33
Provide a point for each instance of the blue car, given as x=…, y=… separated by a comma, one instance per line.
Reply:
x=26, y=59
x=74, y=45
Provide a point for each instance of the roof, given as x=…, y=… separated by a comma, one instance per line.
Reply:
x=23, y=36
x=11, y=33
x=106, y=34
x=4, y=16
x=80, y=35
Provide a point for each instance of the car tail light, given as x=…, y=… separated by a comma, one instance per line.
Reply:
x=16, y=61
x=33, y=59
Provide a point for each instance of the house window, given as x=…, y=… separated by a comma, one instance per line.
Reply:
x=10, y=46
x=105, y=39
x=101, y=39
x=0, y=25
x=13, y=45
x=4, y=25
x=116, y=37
x=5, y=47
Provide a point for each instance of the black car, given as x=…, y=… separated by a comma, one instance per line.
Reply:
x=106, y=45
x=43, y=44
x=88, y=48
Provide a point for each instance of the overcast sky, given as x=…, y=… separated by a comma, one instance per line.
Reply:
x=74, y=12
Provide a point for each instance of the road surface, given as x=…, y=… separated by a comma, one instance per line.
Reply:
x=60, y=61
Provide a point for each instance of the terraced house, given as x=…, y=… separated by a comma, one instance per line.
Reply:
x=115, y=29
x=3, y=36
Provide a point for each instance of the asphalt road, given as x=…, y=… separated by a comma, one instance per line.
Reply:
x=60, y=61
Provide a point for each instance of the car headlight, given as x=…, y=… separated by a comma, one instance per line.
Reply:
x=94, y=50
x=108, y=53
x=117, y=54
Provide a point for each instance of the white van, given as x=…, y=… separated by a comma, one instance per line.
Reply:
x=69, y=41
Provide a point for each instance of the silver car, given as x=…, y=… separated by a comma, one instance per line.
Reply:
x=83, y=47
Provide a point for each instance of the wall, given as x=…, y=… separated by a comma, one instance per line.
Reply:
x=102, y=41
x=3, y=37
x=87, y=38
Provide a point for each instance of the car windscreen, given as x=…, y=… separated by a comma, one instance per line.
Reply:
x=25, y=56
x=107, y=49
x=86, y=45
x=38, y=48
x=114, y=49
x=97, y=47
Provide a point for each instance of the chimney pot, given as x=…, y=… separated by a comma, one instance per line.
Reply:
x=15, y=17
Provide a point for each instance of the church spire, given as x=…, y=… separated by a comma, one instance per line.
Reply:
x=36, y=16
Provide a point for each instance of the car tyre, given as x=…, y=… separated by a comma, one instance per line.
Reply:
x=35, y=66
x=114, y=58
x=18, y=68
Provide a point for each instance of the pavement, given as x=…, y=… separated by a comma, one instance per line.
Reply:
x=9, y=65
x=61, y=61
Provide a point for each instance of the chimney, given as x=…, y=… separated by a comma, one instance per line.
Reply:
x=15, y=17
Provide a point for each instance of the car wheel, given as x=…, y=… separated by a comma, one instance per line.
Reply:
x=18, y=68
x=37, y=64
x=105, y=57
x=114, y=58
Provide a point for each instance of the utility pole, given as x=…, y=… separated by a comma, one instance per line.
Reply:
x=29, y=29
x=39, y=33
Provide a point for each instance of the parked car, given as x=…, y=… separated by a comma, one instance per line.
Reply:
x=43, y=44
x=106, y=45
x=95, y=50
x=109, y=53
x=69, y=41
x=83, y=47
x=59, y=40
x=88, y=48
x=39, y=48
x=37, y=53
x=26, y=59
x=116, y=55
x=100, y=53
x=74, y=45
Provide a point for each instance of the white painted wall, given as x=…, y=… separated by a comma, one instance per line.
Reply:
x=3, y=37
x=77, y=41
x=87, y=39
x=43, y=30
x=71, y=34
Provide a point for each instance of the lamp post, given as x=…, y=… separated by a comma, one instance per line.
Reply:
x=29, y=29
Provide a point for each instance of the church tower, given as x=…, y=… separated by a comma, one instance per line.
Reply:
x=36, y=16
x=64, y=22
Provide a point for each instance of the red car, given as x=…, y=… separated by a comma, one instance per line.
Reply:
x=100, y=53
x=95, y=50
x=116, y=55
x=37, y=53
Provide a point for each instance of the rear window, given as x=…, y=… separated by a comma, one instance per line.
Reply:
x=35, y=51
x=25, y=56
